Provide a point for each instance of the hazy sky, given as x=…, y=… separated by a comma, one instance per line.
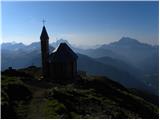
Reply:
x=81, y=23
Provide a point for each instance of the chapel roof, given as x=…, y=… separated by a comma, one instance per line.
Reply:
x=62, y=53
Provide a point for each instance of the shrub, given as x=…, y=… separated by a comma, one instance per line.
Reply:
x=53, y=109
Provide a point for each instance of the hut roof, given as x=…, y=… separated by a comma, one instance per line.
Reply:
x=62, y=53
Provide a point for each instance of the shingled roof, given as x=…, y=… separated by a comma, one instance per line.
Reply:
x=63, y=53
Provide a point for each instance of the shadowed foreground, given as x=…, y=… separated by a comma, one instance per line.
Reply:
x=24, y=95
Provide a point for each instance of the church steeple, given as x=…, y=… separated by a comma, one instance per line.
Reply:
x=45, y=52
x=44, y=34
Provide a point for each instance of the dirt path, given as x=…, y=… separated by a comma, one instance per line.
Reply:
x=36, y=107
x=37, y=104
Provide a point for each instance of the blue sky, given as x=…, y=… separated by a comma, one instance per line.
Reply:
x=81, y=23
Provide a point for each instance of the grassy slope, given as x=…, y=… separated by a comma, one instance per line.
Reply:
x=88, y=97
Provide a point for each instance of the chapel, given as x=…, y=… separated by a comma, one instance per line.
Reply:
x=61, y=63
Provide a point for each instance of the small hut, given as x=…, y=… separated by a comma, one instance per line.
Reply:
x=63, y=63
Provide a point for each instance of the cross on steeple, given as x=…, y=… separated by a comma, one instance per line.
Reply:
x=43, y=22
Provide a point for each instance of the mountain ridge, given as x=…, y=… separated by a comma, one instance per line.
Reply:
x=123, y=40
x=30, y=55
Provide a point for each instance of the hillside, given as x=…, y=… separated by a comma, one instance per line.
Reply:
x=112, y=71
x=26, y=95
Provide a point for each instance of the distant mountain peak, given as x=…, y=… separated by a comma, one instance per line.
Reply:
x=128, y=40
x=12, y=43
x=61, y=40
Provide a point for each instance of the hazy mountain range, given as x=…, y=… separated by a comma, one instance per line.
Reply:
x=127, y=61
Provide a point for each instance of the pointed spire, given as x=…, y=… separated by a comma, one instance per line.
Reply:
x=44, y=34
